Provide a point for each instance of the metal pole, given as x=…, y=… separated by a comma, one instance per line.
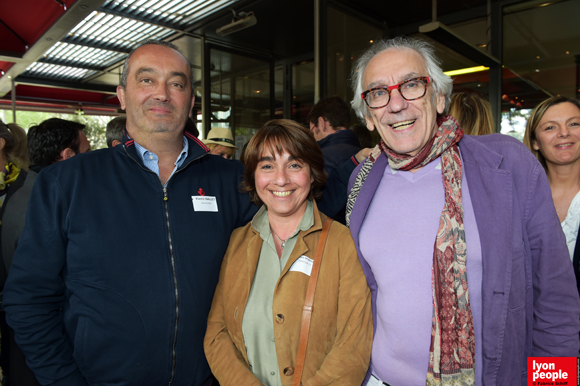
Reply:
x=317, y=50
x=206, y=89
x=434, y=10
x=577, y=57
x=320, y=48
x=496, y=71
x=13, y=101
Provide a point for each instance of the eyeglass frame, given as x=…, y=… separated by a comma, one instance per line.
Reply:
x=425, y=79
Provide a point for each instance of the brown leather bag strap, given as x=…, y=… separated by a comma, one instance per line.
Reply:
x=307, y=310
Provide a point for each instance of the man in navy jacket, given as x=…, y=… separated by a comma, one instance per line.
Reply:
x=116, y=267
x=329, y=121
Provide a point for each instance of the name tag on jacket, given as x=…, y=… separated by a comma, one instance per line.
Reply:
x=303, y=264
x=204, y=204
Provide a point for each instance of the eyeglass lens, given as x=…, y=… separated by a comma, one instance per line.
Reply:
x=411, y=89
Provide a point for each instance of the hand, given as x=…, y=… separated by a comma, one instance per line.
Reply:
x=363, y=154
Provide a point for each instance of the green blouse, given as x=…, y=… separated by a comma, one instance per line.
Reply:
x=258, y=323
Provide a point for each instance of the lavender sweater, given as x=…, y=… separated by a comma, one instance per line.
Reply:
x=402, y=265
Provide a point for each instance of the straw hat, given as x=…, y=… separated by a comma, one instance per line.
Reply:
x=220, y=136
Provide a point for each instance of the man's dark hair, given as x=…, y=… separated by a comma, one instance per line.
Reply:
x=48, y=139
x=115, y=130
x=332, y=109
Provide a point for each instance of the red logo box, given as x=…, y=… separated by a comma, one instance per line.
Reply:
x=554, y=371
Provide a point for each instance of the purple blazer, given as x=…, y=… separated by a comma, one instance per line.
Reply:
x=530, y=301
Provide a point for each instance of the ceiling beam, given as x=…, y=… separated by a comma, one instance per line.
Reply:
x=75, y=14
x=66, y=84
x=80, y=41
x=144, y=19
x=71, y=63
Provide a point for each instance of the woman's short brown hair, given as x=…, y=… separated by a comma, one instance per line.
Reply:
x=278, y=136
x=535, y=118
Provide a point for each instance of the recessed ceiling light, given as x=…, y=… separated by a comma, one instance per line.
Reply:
x=538, y=57
x=372, y=41
x=537, y=70
x=567, y=52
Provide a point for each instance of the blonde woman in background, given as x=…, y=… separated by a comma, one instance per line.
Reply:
x=553, y=135
x=472, y=112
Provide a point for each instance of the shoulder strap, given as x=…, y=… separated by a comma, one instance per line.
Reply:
x=307, y=310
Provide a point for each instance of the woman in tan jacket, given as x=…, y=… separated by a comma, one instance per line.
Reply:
x=254, y=323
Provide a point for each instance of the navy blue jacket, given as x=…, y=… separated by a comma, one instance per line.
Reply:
x=114, y=276
x=337, y=148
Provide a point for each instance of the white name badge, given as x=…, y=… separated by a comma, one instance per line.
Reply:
x=303, y=264
x=204, y=204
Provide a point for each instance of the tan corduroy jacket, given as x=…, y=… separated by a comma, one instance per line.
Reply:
x=341, y=331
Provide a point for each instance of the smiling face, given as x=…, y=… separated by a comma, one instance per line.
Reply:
x=405, y=126
x=283, y=184
x=158, y=94
x=557, y=135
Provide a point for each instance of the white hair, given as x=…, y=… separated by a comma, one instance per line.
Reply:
x=442, y=84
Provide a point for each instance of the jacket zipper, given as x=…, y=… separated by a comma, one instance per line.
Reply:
x=173, y=353
x=165, y=199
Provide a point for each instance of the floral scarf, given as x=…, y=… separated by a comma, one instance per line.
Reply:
x=452, y=350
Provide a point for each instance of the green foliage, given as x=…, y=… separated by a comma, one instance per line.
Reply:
x=95, y=125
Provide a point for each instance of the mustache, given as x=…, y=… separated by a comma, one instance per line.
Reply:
x=161, y=105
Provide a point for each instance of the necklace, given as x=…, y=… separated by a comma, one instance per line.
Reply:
x=279, y=238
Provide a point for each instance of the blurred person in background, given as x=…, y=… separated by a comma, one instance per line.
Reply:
x=220, y=142
x=12, y=175
x=51, y=141
x=329, y=122
x=115, y=129
x=20, y=152
x=553, y=135
x=472, y=112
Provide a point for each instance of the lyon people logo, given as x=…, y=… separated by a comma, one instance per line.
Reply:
x=553, y=371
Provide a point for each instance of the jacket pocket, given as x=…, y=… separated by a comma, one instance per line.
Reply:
x=110, y=347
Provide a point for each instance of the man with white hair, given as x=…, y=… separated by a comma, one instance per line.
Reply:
x=458, y=236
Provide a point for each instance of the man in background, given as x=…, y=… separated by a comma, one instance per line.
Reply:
x=329, y=122
x=115, y=131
